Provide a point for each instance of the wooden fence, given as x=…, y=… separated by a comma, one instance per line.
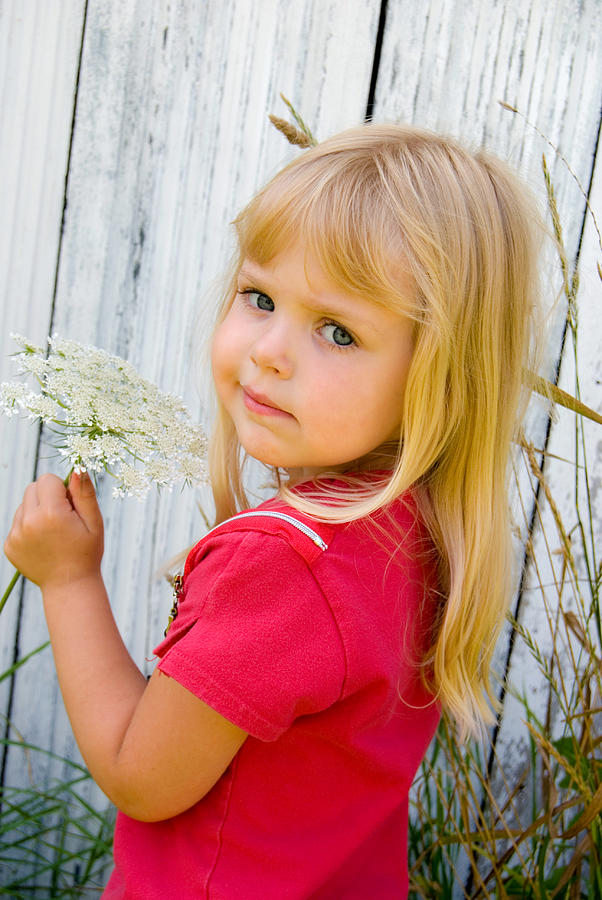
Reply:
x=131, y=131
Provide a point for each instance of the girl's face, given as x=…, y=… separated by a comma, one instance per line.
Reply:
x=312, y=377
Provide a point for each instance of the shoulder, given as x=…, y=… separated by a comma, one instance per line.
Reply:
x=272, y=530
x=258, y=565
x=277, y=549
x=276, y=528
x=254, y=635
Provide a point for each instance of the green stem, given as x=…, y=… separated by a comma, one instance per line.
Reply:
x=8, y=591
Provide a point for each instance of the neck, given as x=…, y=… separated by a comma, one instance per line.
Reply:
x=383, y=458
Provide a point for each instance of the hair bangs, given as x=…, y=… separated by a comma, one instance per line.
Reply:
x=342, y=214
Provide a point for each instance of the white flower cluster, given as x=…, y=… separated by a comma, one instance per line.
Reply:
x=102, y=415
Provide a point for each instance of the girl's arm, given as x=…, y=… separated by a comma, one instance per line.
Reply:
x=153, y=747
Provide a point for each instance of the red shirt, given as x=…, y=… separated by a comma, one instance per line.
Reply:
x=311, y=646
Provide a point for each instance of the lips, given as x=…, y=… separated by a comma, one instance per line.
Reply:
x=261, y=404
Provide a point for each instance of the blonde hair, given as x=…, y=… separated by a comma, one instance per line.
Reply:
x=377, y=204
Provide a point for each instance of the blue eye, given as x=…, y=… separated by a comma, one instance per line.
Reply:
x=260, y=301
x=338, y=335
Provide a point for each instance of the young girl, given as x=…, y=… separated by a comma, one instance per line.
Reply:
x=371, y=351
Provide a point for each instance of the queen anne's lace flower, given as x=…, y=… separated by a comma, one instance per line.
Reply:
x=102, y=415
x=13, y=397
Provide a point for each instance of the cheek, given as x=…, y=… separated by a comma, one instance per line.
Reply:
x=339, y=402
x=223, y=349
x=220, y=366
x=391, y=397
x=372, y=399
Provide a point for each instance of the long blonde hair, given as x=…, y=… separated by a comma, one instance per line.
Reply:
x=377, y=204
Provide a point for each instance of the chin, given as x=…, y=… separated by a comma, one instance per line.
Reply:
x=266, y=457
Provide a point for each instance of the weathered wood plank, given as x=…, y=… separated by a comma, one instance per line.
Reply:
x=39, y=50
x=446, y=63
x=171, y=138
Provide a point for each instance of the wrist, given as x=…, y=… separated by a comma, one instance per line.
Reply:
x=71, y=583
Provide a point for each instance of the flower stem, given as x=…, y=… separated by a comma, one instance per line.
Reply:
x=8, y=590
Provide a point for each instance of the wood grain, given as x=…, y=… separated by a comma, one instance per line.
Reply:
x=39, y=51
x=171, y=138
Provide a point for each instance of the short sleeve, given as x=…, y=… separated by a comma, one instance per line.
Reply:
x=256, y=638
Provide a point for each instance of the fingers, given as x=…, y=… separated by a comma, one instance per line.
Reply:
x=86, y=486
x=49, y=491
x=14, y=528
x=56, y=535
x=45, y=495
x=30, y=500
x=27, y=506
x=83, y=497
x=80, y=498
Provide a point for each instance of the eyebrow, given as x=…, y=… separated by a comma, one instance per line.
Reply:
x=326, y=308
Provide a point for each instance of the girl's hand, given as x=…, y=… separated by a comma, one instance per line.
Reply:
x=57, y=533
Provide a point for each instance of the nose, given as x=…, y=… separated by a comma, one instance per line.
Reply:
x=272, y=349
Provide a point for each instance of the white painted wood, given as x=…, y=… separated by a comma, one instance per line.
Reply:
x=39, y=49
x=169, y=143
x=446, y=63
x=171, y=139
